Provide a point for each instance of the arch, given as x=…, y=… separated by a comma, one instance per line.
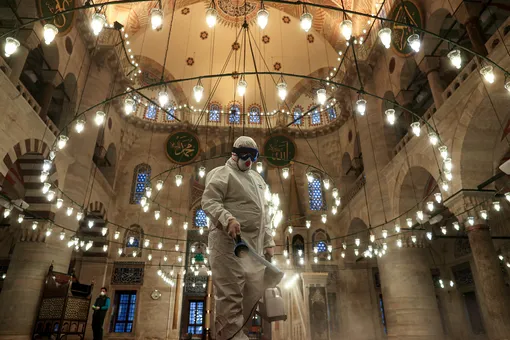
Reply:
x=306, y=87
x=316, y=193
x=215, y=112
x=296, y=114
x=98, y=209
x=200, y=218
x=254, y=114
x=27, y=146
x=346, y=163
x=234, y=113
x=137, y=234
x=434, y=24
x=108, y=165
x=415, y=186
x=298, y=243
x=141, y=178
x=62, y=110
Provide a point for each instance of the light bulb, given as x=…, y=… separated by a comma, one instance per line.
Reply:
x=201, y=231
x=48, y=232
x=484, y=214
x=452, y=283
x=116, y=235
x=346, y=29
x=79, y=126
x=357, y=242
x=415, y=127
x=47, y=165
x=321, y=96
x=211, y=16
x=337, y=201
x=443, y=151
x=471, y=220
x=193, y=249
x=342, y=254
x=289, y=229
x=419, y=215
x=334, y=210
x=356, y=251
x=69, y=211
x=335, y=192
x=99, y=118
x=105, y=248
x=98, y=22
x=157, y=214
x=413, y=238
x=447, y=164
x=300, y=252
x=384, y=233
x=315, y=259
x=326, y=183
x=131, y=240
x=488, y=73
x=409, y=222
x=287, y=261
x=148, y=191
x=324, y=218
x=384, y=246
x=149, y=257
x=306, y=21
x=285, y=173
x=309, y=177
x=448, y=175
x=129, y=106
x=433, y=138
x=242, y=85
x=438, y=197
x=496, y=206
x=430, y=205
x=90, y=223
x=281, y=89
x=62, y=141
x=146, y=207
x=79, y=215
x=163, y=98
x=34, y=225
x=50, y=195
x=62, y=235
x=159, y=184
x=390, y=116
x=46, y=187
x=507, y=84
x=262, y=18
x=372, y=238
x=7, y=212
x=21, y=217
x=11, y=46
x=429, y=235
x=444, y=230
x=146, y=243
x=177, y=247
x=385, y=36
x=185, y=225
x=456, y=226
x=455, y=58
x=168, y=221
x=361, y=106
x=156, y=19
x=178, y=180
x=201, y=172
x=414, y=42
x=49, y=33
x=198, y=91
x=308, y=224
x=397, y=228
x=444, y=186
x=259, y=167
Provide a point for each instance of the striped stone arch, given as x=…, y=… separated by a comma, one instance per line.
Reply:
x=217, y=145
x=98, y=209
x=20, y=149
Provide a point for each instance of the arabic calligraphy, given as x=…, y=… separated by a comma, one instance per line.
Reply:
x=279, y=150
x=405, y=12
x=182, y=147
x=54, y=7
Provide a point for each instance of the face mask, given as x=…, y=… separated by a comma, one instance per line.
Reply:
x=103, y=293
x=244, y=165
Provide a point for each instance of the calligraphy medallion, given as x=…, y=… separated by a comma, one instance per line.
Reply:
x=279, y=150
x=406, y=11
x=182, y=147
x=63, y=22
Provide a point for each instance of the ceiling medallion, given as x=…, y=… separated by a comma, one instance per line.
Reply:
x=266, y=39
x=190, y=61
x=185, y=11
x=232, y=13
x=286, y=19
x=204, y=35
x=310, y=38
x=277, y=66
x=236, y=46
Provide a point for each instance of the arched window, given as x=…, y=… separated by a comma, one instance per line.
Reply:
x=254, y=113
x=315, y=194
x=298, y=112
x=331, y=113
x=141, y=178
x=320, y=242
x=151, y=112
x=234, y=114
x=200, y=218
x=315, y=117
x=214, y=112
x=298, y=243
x=170, y=112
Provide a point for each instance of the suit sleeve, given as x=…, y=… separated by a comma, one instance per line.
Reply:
x=214, y=194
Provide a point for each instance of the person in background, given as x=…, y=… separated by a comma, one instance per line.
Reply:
x=100, y=308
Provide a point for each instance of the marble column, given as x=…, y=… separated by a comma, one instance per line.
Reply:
x=22, y=289
x=490, y=283
x=474, y=32
x=408, y=293
x=430, y=66
x=45, y=99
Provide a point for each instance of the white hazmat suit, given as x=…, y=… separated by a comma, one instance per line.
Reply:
x=231, y=193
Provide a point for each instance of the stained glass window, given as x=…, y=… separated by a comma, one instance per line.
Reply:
x=200, y=218
x=315, y=194
x=170, y=114
x=254, y=115
x=234, y=114
x=316, y=117
x=196, y=317
x=125, y=316
x=297, y=115
x=383, y=315
x=151, y=111
x=214, y=113
x=331, y=113
x=141, y=178
x=321, y=246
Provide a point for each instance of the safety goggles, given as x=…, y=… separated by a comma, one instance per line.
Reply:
x=246, y=153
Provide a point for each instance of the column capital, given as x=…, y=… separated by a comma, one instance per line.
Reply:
x=469, y=203
x=430, y=64
x=477, y=227
x=404, y=97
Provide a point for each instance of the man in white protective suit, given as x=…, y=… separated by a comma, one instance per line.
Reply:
x=235, y=203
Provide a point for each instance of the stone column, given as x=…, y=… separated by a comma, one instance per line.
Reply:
x=430, y=66
x=468, y=15
x=409, y=298
x=17, y=63
x=490, y=283
x=45, y=99
x=23, y=285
